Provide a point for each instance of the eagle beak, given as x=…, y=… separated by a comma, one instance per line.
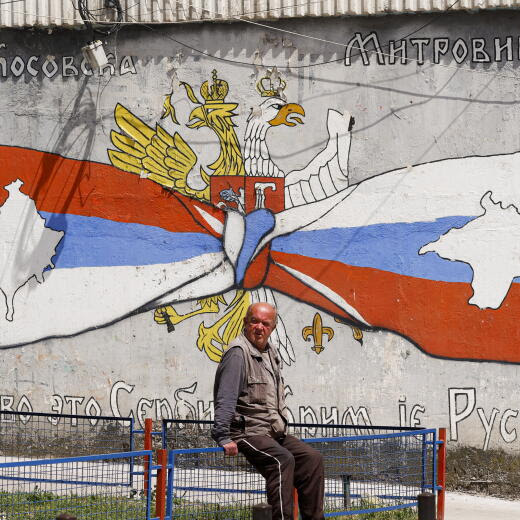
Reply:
x=196, y=118
x=287, y=115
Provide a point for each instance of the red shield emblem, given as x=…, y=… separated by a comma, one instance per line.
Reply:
x=246, y=194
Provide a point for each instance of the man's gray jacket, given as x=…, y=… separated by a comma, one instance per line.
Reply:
x=248, y=394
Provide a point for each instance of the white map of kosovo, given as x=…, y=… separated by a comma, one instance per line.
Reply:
x=26, y=245
x=490, y=244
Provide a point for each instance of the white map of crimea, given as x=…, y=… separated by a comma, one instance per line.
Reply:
x=26, y=245
x=490, y=244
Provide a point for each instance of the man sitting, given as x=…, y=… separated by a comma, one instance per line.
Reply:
x=250, y=417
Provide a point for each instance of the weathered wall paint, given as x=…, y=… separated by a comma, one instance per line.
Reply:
x=386, y=231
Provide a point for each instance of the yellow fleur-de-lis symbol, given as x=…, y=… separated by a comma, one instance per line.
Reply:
x=316, y=331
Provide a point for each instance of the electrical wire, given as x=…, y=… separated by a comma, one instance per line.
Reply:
x=10, y=2
x=102, y=27
x=126, y=9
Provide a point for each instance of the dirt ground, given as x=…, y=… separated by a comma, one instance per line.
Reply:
x=482, y=485
x=491, y=472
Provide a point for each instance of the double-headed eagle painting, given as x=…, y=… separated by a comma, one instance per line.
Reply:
x=243, y=178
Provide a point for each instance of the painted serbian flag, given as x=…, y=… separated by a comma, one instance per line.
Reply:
x=83, y=244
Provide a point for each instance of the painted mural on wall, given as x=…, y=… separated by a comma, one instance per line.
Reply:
x=374, y=254
x=188, y=232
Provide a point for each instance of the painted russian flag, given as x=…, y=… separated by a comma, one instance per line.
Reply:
x=430, y=252
x=121, y=242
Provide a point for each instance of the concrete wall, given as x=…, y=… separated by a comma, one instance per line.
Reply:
x=391, y=251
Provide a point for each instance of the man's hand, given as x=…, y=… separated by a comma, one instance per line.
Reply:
x=231, y=449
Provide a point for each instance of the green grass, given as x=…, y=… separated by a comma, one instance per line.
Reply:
x=42, y=505
x=398, y=514
x=186, y=510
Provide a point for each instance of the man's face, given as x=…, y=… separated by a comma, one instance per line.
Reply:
x=259, y=324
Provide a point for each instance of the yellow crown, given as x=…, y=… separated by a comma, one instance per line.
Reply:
x=216, y=92
x=271, y=84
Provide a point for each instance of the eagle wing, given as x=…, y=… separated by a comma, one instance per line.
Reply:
x=327, y=172
x=154, y=154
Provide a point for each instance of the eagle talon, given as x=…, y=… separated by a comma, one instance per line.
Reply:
x=167, y=316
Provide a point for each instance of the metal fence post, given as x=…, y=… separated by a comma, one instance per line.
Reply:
x=148, y=427
x=164, y=440
x=262, y=512
x=441, y=474
x=426, y=502
x=169, y=492
x=148, y=483
x=160, y=494
x=346, y=490
x=424, y=463
x=295, y=504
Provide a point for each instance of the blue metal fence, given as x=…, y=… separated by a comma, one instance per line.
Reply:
x=363, y=474
x=367, y=469
x=106, y=486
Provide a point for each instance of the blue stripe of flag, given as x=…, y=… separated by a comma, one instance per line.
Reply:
x=389, y=247
x=97, y=242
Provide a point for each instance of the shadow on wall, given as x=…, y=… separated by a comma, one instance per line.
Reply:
x=80, y=125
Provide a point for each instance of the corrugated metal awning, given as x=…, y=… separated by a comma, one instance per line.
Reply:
x=20, y=13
